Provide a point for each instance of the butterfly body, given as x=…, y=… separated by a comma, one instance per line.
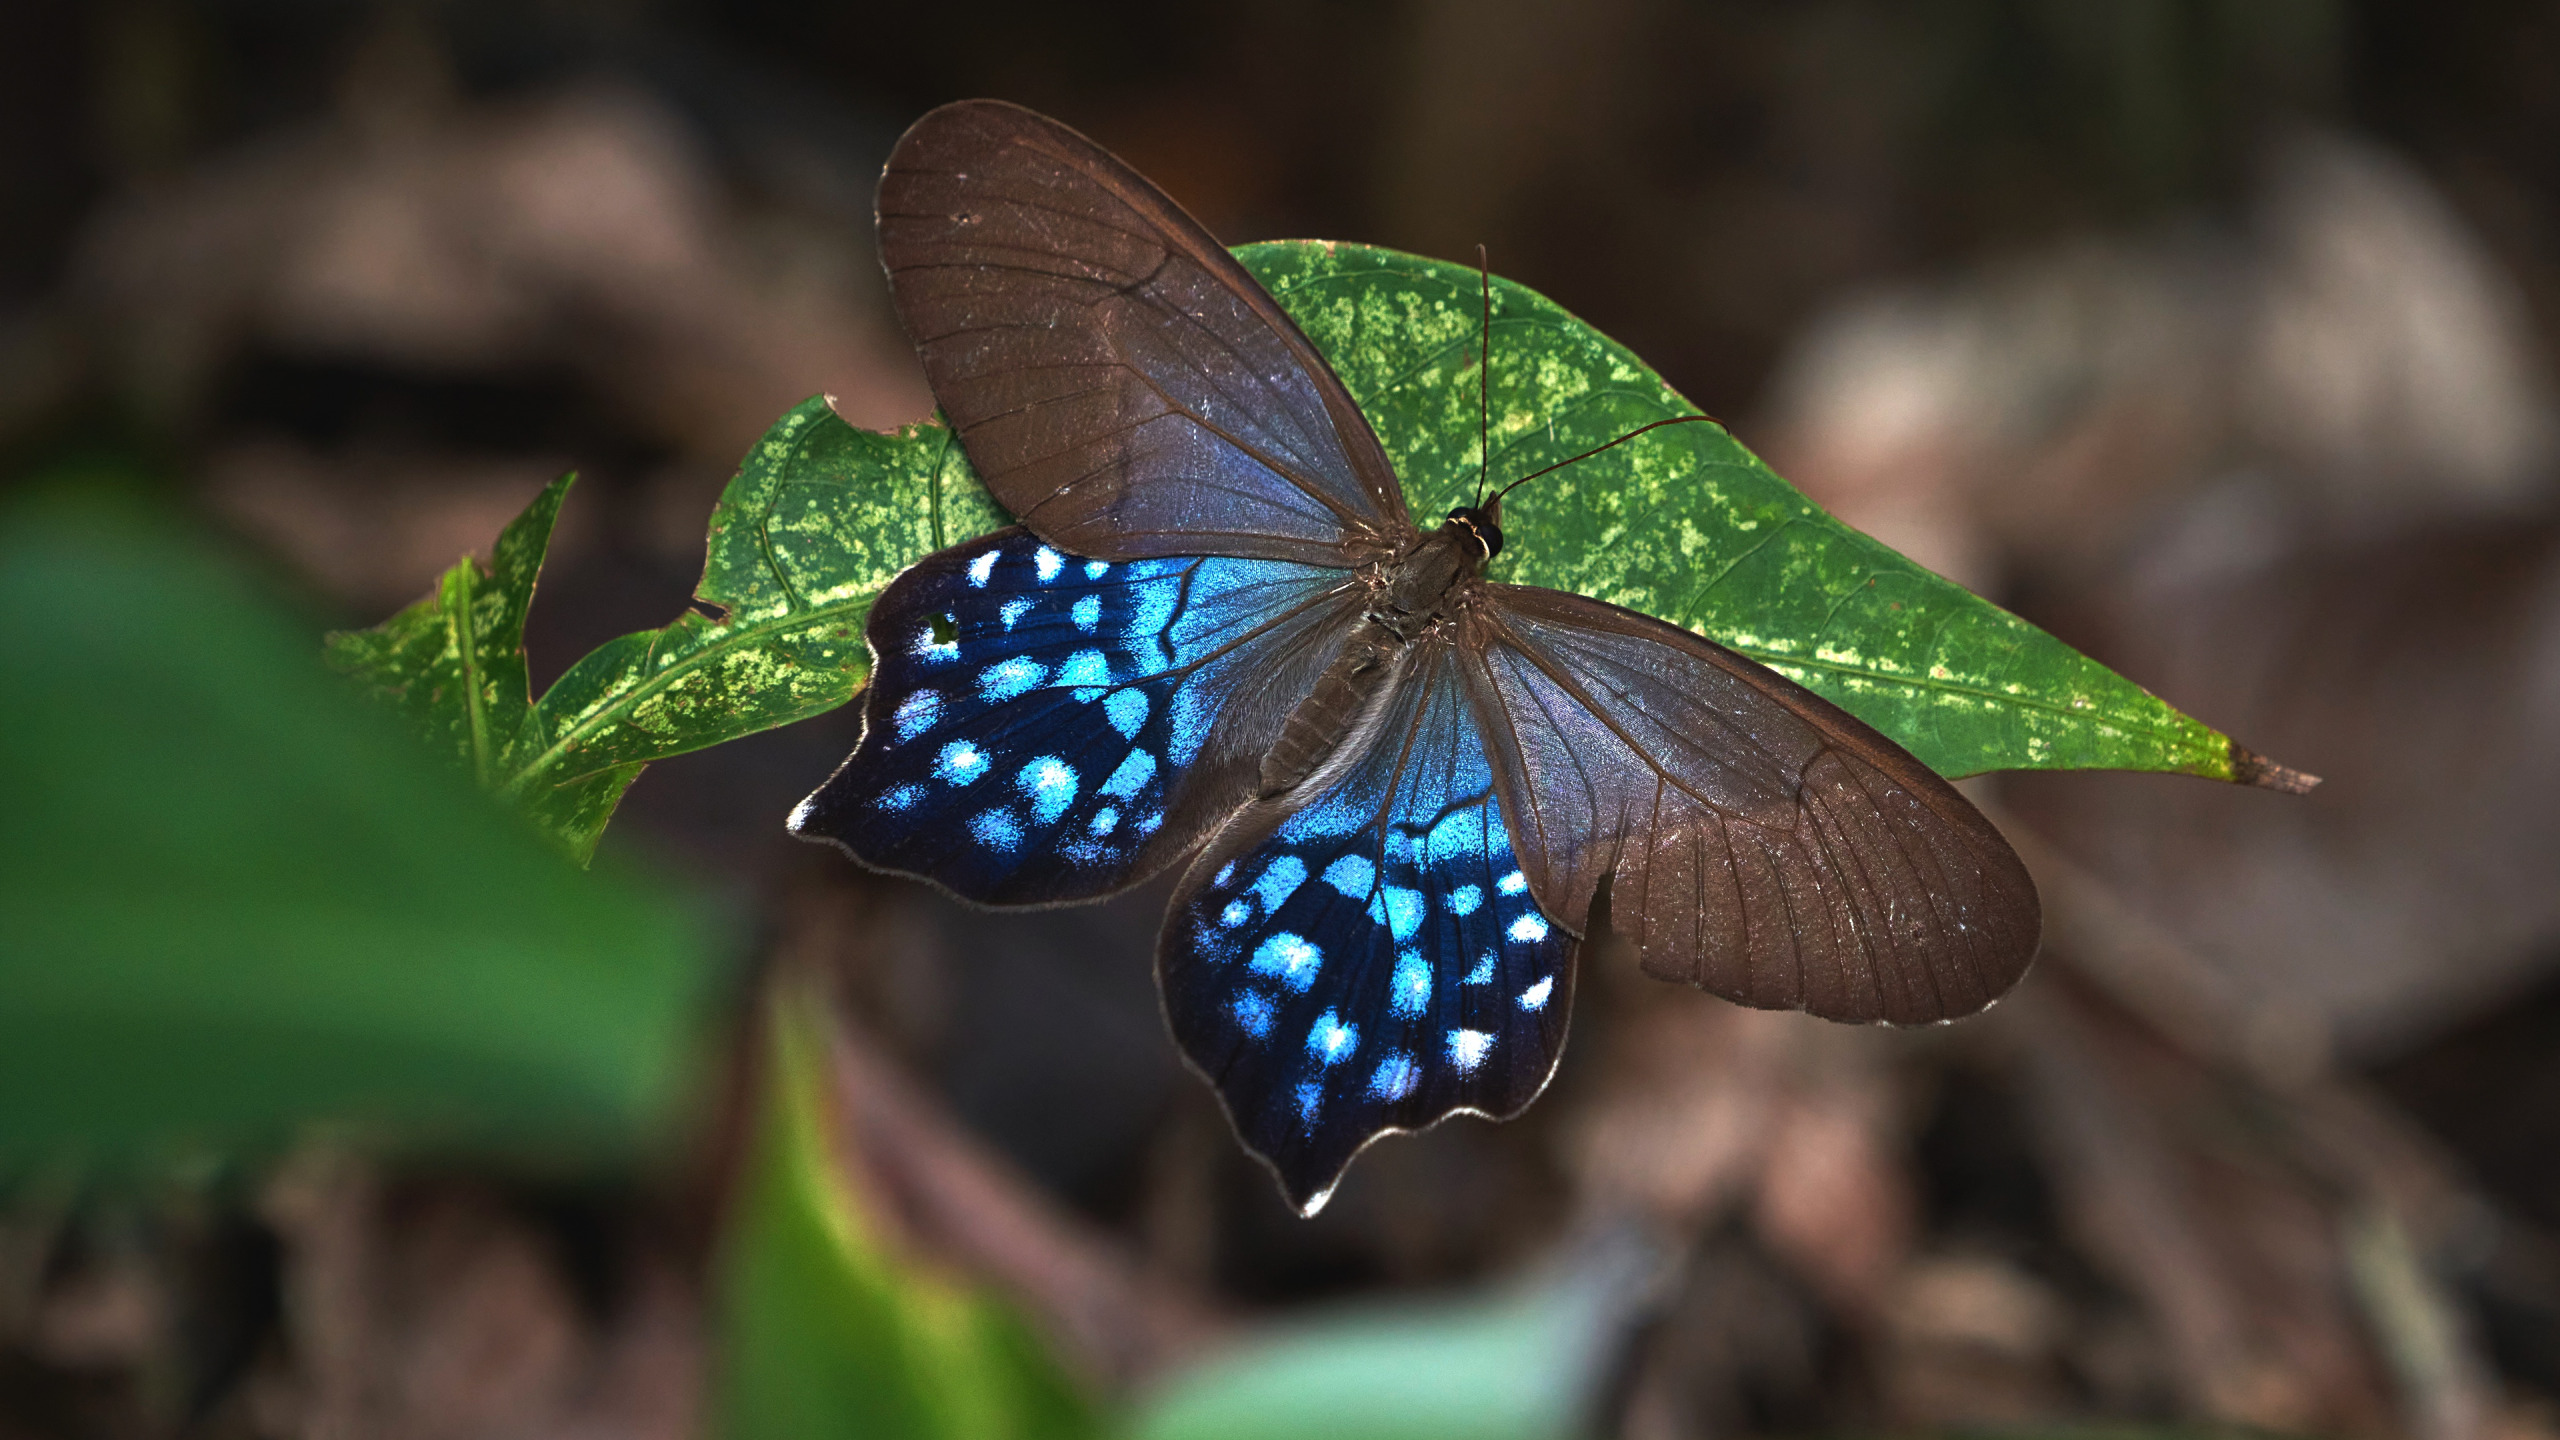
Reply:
x=1393, y=787
x=1415, y=592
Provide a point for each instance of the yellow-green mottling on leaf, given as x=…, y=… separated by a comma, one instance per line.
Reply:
x=1683, y=523
x=819, y=518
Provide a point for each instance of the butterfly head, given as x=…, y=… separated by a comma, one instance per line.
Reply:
x=1482, y=528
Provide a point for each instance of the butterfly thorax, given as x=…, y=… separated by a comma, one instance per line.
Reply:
x=1417, y=584
x=1413, y=593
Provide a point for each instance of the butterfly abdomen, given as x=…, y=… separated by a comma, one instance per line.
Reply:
x=1348, y=690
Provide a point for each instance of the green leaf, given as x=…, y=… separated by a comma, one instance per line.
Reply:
x=452, y=665
x=239, y=899
x=826, y=1330
x=819, y=518
x=1687, y=525
x=1683, y=523
x=1526, y=1363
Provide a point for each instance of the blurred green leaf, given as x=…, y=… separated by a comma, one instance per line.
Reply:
x=1527, y=1363
x=1683, y=523
x=238, y=899
x=826, y=1331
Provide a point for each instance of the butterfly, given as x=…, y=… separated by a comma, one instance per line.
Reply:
x=1394, y=789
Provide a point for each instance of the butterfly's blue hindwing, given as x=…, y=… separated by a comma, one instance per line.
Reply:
x=1376, y=962
x=1032, y=714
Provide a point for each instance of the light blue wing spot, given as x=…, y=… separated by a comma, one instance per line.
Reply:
x=959, y=763
x=1399, y=909
x=1226, y=873
x=1512, y=884
x=1483, y=973
x=1253, y=1012
x=1535, y=997
x=1151, y=610
x=1149, y=823
x=1087, y=613
x=1135, y=771
x=1467, y=1049
x=1410, y=990
x=1280, y=879
x=1310, y=1096
x=916, y=713
x=1464, y=900
x=1290, y=958
x=1096, y=569
x=1127, y=712
x=1012, y=610
x=982, y=570
x=1529, y=929
x=996, y=829
x=1395, y=1077
x=899, y=797
x=1048, y=563
x=1352, y=875
x=1332, y=1040
x=928, y=649
x=1236, y=913
x=1103, y=821
x=1457, y=836
x=1192, y=712
x=1332, y=814
x=1088, y=672
x=1007, y=678
x=1089, y=852
x=1051, y=784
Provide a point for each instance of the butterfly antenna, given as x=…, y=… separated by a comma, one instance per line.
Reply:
x=1484, y=380
x=1587, y=454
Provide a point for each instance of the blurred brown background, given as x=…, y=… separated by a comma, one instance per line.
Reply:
x=2215, y=335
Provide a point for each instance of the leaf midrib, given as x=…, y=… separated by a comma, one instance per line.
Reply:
x=460, y=622
x=613, y=710
x=1779, y=660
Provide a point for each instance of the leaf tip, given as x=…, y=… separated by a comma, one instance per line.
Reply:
x=2248, y=767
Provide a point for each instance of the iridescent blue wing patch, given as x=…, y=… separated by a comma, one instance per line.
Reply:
x=1042, y=727
x=1371, y=960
